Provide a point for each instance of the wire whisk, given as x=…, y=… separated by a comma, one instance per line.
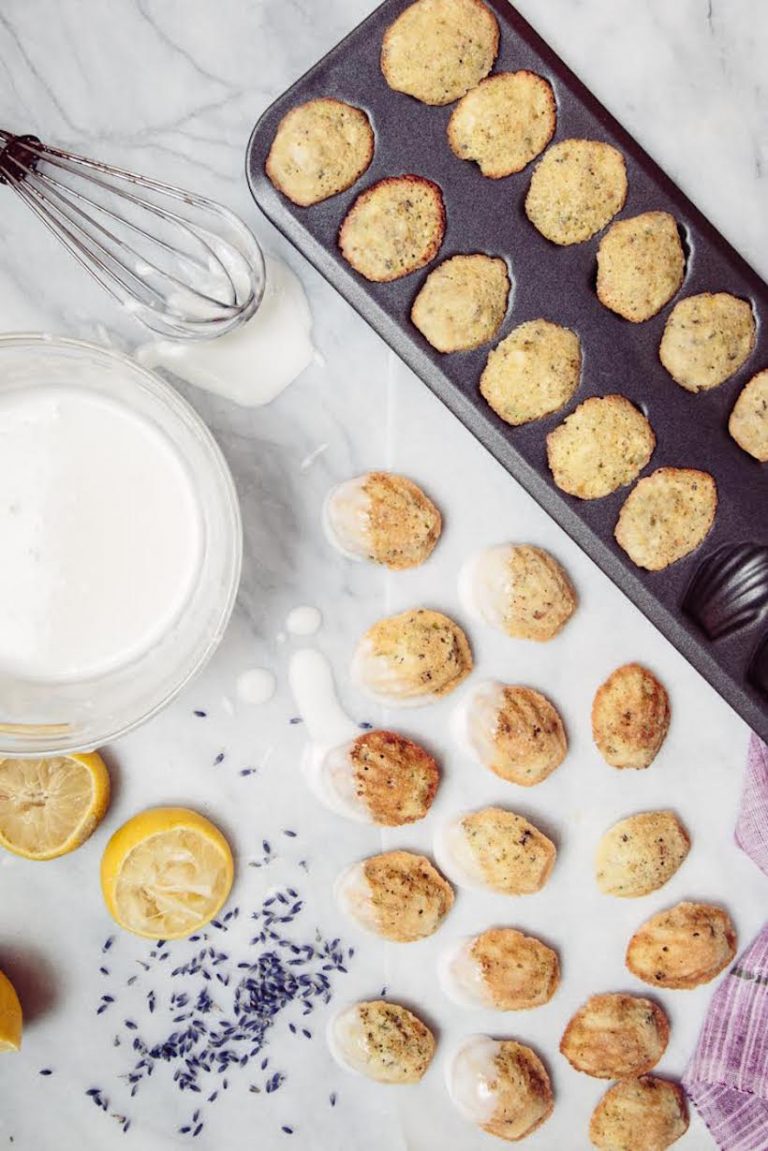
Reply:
x=182, y=264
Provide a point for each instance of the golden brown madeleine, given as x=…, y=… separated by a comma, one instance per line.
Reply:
x=383, y=1041
x=616, y=1036
x=749, y=419
x=395, y=778
x=514, y=731
x=639, y=854
x=577, y=188
x=646, y=1114
x=534, y=371
x=666, y=516
x=501, y=1085
x=383, y=517
x=519, y=589
x=630, y=717
x=500, y=968
x=396, y=894
x=504, y=123
x=601, y=446
x=412, y=658
x=393, y=228
x=462, y=302
x=682, y=947
x=320, y=149
x=707, y=339
x=498, y=849
x=640, y=265
x=437, y=50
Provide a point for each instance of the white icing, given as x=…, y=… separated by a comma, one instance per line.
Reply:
x=469, y=1077
x=485, y=585
x=332, y=779
x=474, y=721
x=311, y=680
x=347, y=1042
x=253, y=363
x=346, y=518
x=304, y=620
x=256, y=685
x=353, y=895
x=461, y=976
x=454, y=855
x=368, y=669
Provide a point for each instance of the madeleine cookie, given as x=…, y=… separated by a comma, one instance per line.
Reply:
x=500, y=1085
x=646, y=1114
x=319, y=149
x=706, y=340
x=534, y=371
x=576, y=189
x=501, y=969
x=639, y=854
x=601, y=446
x=683, y=947
x=412, y=658
x=382, y=1041
x=380, y=778
x=666, y=516
x=383, y=517
x=496, y=849
x=640, y=265
x=504, y=123
x=749, y=419
x=514, y=731
x=616, y=1036
x=519, y=589
x=462, y=303
x=397, y=895
x=393, y=228
x=438, y=49
x=630, y=717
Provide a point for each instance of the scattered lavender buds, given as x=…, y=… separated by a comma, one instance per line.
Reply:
x=203, y=1008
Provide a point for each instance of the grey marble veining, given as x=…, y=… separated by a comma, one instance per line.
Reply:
x=172, y=89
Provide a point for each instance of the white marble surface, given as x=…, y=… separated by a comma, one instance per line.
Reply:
x=172, y=88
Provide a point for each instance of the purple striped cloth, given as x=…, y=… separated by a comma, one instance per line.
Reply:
x=727, y=1078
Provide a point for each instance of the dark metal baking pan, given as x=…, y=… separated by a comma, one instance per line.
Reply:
x=558, y=284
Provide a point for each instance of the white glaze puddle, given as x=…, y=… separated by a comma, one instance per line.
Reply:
x=256, y=362
x=100, y=533
x=304, y=620
x=256, y=685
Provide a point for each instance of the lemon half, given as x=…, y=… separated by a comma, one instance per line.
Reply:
x=10, y=1016
x=166, y=873
x=48, y=807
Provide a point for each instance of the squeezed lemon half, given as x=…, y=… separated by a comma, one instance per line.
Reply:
x=166, y=873
x=48, y=807
x=10, y=1016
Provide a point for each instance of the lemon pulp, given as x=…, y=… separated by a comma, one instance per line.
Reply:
x=48, y=807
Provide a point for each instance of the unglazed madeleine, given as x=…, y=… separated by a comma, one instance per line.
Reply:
x=749, y=419
x=501, y=1085
x=683, y=947
x=646, y=1114
x=393, y=228
x=535, y=370
x=497, y=849
x=630, y=717
x=639, y=854
x=320, y=148
x=412, y=658
x=615, y=1036
x=397, y=895
x=601, y=446
x=383, y=517
x=707, y=339
x=462, y=302
x=500, y=968
x=437, y=50
x=512, y=730
x=519, y=589
x=577, y=188
x=382, y=1041
x=379, y=777
x=504, y=123
x=666, y=516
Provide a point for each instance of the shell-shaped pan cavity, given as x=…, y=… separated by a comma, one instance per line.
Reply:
x=729, y=590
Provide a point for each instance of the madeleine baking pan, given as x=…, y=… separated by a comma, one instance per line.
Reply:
x=713, y=604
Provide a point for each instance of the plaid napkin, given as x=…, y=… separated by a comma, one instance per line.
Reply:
x=727, y=1078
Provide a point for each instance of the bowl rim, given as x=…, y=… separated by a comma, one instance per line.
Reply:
x=42, y=745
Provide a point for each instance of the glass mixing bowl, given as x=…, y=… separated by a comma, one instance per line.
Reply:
x=43, y=718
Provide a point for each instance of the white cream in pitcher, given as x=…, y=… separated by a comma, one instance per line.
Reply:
x=100, y=533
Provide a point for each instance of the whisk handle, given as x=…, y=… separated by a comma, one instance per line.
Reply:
x=15, y=152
